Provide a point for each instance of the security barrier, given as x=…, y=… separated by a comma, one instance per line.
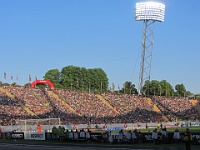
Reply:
x=94, y=136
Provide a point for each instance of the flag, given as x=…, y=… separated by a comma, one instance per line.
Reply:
x=11, y=77
x=29, y=78
x=113, y=86
x=17, y=78
x=124, y=88
x=4, y=76
x=118, y=87
x=35, y=77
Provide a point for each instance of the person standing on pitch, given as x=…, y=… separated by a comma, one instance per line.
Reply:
x=187, y=139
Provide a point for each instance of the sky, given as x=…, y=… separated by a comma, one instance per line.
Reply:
x=39, y=35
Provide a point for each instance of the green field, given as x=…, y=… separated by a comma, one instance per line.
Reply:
x=181, y=129
x=170, y=130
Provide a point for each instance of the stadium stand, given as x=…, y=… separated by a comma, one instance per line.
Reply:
x=76, y=107
x=176, y=108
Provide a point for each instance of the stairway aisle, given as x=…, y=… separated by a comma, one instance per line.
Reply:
x=107, y=103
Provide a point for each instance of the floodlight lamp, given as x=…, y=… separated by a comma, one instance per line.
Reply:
x=150, y=11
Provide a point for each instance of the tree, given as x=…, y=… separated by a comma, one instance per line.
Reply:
x=97, y=80
x=54, y=76
x=146, y=88
x=180, y=89
x=129, y=88
x=155, y=87
x=77, y=78
x=14, y=84
x=167, y=89
x=27, y=85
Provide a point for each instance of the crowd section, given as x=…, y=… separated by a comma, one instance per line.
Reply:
x=176, y=108
x=61, y=110
x=10, y=109
x=76, y=107
x=32, y=98
x=88, y=105
x=132, y=108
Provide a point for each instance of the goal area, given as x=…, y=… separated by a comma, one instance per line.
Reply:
x=32, y=124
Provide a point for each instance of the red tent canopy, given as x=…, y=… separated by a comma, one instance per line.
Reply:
x=42, y=82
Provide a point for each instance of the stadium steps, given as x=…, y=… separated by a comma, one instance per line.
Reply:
x=23, y=106
x=149, y=101
x=196, y=104
x=107, y=103
x=63, y=102
x=156, y=109
x=28, y=110
x=6, y=92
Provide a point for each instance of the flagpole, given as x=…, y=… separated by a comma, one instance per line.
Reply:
x=4, y=77
x=35, y=80
x=16, y=79
x=23, y=80
x=11, y=77
x=124, y=88
x=101, y=86
x=89, y=87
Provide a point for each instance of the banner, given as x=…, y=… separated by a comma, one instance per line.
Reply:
x=34, y=135
x=12, y=135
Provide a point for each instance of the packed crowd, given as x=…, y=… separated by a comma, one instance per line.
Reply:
x=176, y=108
x=87, y=105
x=76, y=107
x=133, y=108
x=9, y=108
x=32, y=98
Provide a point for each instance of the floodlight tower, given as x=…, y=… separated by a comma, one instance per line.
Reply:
x=149, y=13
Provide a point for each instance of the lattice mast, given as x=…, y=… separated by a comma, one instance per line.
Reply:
x=149, y=13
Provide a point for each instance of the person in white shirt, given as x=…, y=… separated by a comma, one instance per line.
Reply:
x=176, y=136
x=155, y=136
x=76, y=135
x=71, y=135
x=87, y=134
x=128, y=135
x=82, y=134
x=121, y=135
x=134, y=136
x=110, y=137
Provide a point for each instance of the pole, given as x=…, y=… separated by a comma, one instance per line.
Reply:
x=146, y=54
x=25, y=125
x=4, y=77
x=101, y=86
x=160, y=89
x=11, y=124
x=184, y=92
x=89, y=87
x=49, y=123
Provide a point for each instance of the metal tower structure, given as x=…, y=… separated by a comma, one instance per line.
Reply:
x=149, y=13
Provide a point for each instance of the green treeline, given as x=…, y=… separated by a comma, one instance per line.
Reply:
x=80, y=78
x=77, y=78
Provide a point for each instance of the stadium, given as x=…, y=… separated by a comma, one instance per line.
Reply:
x=25, y=108
x=76, y=103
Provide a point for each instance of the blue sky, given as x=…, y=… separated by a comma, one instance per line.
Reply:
x=39, y=35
